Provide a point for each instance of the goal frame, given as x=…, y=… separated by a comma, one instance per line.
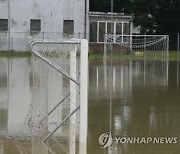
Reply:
x=83, y=82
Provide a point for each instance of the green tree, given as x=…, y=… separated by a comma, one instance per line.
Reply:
x=144, y=15
x=154, y=16
x=167, y=17
x=157, y=16
x=121, y=6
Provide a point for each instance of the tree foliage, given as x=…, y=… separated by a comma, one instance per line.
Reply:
x=154, y=16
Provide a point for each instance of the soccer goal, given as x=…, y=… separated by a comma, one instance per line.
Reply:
x=59, y=89
x=150, y=52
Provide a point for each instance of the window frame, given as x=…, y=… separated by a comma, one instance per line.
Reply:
x=68, y=28
x=35, y=25
x=107, y=22
x=4, y=24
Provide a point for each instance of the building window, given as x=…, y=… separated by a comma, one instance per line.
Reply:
x=126, y=29
x=35, y=25
x=93, y=31
x=118, y=28
x=68, y=27
x=3, y=24
x=101, y=28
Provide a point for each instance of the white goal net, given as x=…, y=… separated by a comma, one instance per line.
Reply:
x=149, y=52
x=59, y=89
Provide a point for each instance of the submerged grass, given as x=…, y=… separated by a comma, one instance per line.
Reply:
x=95, y=58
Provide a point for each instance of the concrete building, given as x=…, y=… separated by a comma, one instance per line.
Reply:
x=22, y=21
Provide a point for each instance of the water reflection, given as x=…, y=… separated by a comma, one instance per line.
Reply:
x=145, y=103
x=16, y=87
x=126, y=76
x=3, y=96
x=19, y=93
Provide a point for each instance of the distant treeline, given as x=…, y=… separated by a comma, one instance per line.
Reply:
x=154, y=16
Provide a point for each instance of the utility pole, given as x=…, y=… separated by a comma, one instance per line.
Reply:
x=177, y=58
x=9, y=26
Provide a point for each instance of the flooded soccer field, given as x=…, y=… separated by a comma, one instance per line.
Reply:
x=132, y=101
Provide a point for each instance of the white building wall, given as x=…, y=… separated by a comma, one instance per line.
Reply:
x=50, y=12
x=3, y=15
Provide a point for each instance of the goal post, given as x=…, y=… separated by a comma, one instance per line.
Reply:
x=138, y=45
x=59, y=89
x=144, y=48
x=149, y=51
x=84, y=92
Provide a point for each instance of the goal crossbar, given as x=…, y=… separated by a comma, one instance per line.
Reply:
x=35, y=51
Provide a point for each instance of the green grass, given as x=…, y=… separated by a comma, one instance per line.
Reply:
x=174, y=56
x=14, y=54
x=95, y=58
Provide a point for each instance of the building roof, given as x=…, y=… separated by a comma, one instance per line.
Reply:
x=109, y=14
